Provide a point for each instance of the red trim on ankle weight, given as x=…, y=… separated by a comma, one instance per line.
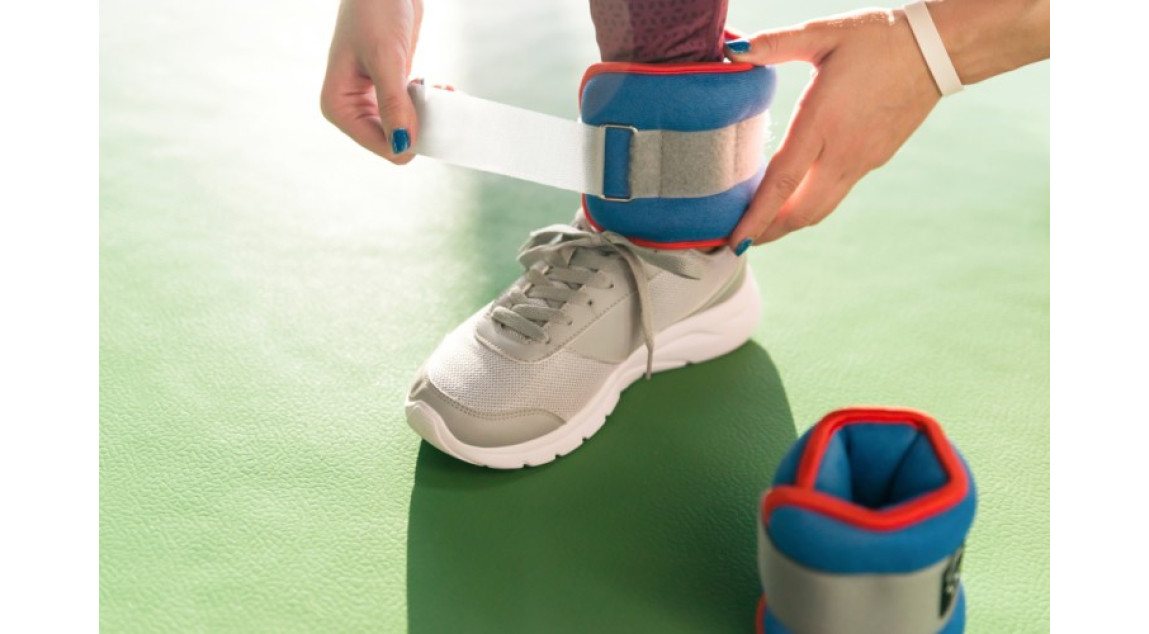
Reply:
x=650, y=244
x=677, y=68
x=802, y=493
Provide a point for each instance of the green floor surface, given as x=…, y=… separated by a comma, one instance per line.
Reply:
x=268, y=289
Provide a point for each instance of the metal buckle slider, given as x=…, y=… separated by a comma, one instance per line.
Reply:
x=633, y=134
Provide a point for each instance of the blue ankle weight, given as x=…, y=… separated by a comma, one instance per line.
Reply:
x=710, y=154
x=864, y=528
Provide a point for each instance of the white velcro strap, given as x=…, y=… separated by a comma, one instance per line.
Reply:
x=932, y=47
x=492, y=137
x=470, y=132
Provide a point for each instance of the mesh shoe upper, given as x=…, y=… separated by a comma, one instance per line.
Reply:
x=495, y=367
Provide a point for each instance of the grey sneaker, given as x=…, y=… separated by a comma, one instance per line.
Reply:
x=534, y=373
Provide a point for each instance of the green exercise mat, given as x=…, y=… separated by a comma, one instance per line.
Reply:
x=268, y=289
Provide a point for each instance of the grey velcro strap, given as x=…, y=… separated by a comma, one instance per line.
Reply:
x=810, y=601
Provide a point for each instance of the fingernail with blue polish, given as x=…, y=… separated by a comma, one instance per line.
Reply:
x=739, y=46
x=742, y=246
x=400, y=140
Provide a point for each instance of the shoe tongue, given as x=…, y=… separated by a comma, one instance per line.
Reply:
x=580, y=258
x=536, y=301
x=584, y=258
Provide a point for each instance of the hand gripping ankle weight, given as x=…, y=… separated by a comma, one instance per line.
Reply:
x=864, y=528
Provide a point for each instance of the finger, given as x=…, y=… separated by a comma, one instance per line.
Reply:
x=784, y=174
x=348, y=101
x=388, y=67
x=820, y=194
x=803, y=43
x=415, y=31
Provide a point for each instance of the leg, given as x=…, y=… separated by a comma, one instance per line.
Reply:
x=659, y=31
x=534, y=374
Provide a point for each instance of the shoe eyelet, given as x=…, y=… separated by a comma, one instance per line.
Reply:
x=611, y=286
x=590, y=303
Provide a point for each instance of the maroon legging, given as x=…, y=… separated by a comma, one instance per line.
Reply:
x=659, y=31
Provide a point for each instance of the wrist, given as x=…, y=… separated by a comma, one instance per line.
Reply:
x=932, y=48
x=985, y=38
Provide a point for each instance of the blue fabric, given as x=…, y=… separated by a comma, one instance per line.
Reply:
x=919, y=473
x=956, y=624
x=867, y=465
x=876, y=466
x=616, y=163
x=834, y=475
x=676, y=219
x=827, y=544
x=686, y=102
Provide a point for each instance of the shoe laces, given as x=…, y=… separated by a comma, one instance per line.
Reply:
x=560, y=260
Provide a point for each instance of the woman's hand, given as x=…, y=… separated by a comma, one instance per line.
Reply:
x=365, y=90
x=870, y=90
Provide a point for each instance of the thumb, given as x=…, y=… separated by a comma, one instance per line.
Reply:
x=804, y=43
x=388, y=72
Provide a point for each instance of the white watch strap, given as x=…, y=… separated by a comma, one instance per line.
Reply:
x=930, y=43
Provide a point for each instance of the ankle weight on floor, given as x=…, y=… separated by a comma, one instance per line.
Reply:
x=864, y=528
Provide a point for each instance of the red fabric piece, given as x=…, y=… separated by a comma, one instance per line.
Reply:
x=658, y=31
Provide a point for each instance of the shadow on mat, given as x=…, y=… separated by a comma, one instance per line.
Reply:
x=648, y=527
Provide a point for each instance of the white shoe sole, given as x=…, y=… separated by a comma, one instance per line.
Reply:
x=702, y=337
